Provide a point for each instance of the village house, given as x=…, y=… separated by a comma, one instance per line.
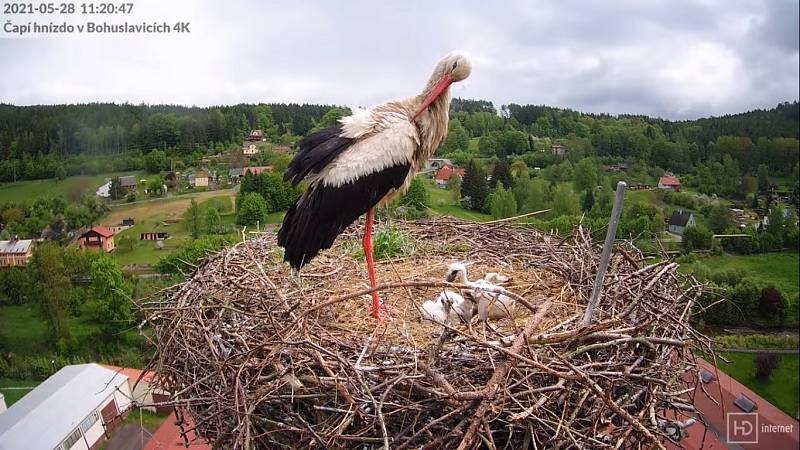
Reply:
x=679, y=221
x=128, y=183
x=256, y=170
x=97, y=238
x=558, y=149
x=249, y=148
x=200, y=178
x=432, y=165
x=256, y=136
x=104, y=190
x=146, y=391
x=617, y=167
x=16, y=252
x=234, y=174
x=444, y=174
x=75, y=409
x=669, y=182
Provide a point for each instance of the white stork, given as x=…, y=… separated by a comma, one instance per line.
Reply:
x=366, y=160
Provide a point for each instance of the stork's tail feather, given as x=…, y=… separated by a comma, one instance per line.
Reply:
x=323, y=212
x=305, y=233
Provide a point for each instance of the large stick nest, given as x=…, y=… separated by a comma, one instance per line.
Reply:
x=263, y=358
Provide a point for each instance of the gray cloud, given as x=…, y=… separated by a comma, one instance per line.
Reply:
x=673, y=59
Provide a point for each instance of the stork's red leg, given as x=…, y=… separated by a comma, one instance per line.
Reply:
x=378, y=310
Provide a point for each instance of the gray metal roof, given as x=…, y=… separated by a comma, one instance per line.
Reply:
x=17, y=246
x=127, y=181
x=47, y=414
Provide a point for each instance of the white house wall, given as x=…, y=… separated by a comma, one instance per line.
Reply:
x=95, y=433
x=123, y=396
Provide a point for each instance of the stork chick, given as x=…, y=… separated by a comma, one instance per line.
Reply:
x=449, y=307
x=490, y=303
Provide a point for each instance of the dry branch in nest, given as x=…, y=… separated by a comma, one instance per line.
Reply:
x=262, y=358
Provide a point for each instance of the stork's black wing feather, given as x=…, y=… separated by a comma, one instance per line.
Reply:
x=317, y=150
x=323, y=212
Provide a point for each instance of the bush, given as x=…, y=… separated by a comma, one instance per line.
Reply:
x=696, y=238
x=756, y=341
x=729, y=276
x=253, y=209
x=13, y=286
x=183, y=260
x=765, y=365
x=771, y=304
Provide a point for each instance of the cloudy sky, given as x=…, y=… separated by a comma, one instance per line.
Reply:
x=672, y=58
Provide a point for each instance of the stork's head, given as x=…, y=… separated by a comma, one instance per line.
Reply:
x=457, y=272
x=453, y=68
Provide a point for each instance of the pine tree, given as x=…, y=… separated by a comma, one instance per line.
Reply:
x=502, y=173
x=588, y=200
x=416, y=196
x=474, y=189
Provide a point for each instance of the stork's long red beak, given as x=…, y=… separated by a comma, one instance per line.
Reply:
x=435, y=93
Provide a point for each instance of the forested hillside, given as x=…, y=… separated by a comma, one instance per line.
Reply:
x=60, y=140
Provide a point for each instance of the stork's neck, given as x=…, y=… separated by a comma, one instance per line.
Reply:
x=461, y=277
x=432, y=123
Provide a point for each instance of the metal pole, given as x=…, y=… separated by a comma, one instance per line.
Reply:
x=606, y=255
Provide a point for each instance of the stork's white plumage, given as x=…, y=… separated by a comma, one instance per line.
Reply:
x=366, y=160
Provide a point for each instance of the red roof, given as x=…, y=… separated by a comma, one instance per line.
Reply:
x=257, y=170
x=446, y=172
x=723, y=387
x=669, y=180
x=102, y=231
x=133, y=374
x=168, y=436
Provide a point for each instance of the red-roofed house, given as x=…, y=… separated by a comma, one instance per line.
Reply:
x=669, y=182
x=443, y=175
x=256, y=170
x=168, y=436
x=147, y=391
x=741, y=420
x=97, y=238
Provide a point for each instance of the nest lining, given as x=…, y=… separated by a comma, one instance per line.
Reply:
x=262, y=358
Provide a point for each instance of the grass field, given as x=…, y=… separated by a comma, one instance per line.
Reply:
x=70, y=188
x=150, y=216
x=782, y=389
x=442, y=202
x=24, y=332
x=780, y=269
x=13, y=395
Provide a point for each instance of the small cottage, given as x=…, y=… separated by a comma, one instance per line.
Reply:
x=558, y=149
x=679, y=221
x=200, y=178
x=257, y=170
x=669, y=182
x=256, y=136
x=249, y=148
x=97, y=238
x=128, y=183
x=444, y=174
